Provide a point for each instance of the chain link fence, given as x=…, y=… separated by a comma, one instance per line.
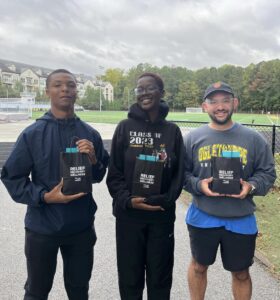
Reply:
x=270, y=132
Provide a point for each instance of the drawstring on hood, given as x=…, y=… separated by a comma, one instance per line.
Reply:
x=65, y=128
x=49, y=117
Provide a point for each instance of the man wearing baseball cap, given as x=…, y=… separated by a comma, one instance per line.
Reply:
x=224, y=219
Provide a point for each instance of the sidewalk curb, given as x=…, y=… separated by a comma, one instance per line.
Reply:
x=260, y=257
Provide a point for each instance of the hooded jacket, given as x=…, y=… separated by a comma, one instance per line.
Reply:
x=37, y=152
x=130, y=139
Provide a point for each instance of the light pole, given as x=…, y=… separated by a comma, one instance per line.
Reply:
x=100, y=98
x=101, y=68
x=127, y=98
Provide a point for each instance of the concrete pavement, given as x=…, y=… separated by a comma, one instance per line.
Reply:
x=103, y=285
x=10, y=131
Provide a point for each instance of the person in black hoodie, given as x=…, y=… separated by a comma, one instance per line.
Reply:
x=53, y=220
x=145, y=224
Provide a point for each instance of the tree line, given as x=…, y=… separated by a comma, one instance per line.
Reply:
x=257, y=86
x=7, y=91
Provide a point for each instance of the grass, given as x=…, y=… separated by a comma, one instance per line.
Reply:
x=268, y=241
x=113, y=117
x=241, y=118
x=110, y=117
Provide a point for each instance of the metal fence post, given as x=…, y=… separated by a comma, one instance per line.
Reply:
x=273, y=139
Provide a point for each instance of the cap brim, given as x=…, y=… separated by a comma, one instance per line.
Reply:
x=218, y=90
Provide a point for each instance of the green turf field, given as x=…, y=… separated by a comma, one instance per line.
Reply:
x=116, y=116
x=241, y=118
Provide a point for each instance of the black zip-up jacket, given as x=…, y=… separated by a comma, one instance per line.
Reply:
x=128, y=142
x=37, y=152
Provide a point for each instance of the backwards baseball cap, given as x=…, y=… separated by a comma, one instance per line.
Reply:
x=218, y=87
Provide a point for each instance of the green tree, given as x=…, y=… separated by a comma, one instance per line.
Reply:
x=41, y=96
x=188, y=95
x=91, y=99
x=18, y=88
x=257, y=85
x=114, y=76
x=3, y=91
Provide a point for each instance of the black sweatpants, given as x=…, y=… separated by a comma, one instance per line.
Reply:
x=145, y=249
x=41, y=257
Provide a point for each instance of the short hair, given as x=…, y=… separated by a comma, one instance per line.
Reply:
x=55, y=72
x=156, y=77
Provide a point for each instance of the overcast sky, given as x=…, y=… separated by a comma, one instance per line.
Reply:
x=81, y=35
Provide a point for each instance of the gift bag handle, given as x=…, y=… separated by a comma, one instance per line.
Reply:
x=74, y=139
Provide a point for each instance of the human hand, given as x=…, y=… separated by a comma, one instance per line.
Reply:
x=160, y=200
x=86, y=146
x=56, y=195
x=204, y=186
x=245, y=190
x=139, y=203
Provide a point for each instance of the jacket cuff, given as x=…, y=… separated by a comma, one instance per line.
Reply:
x=98, y=165
x=129, y=203
x=42, y=199
x=255, y=185
x=198, y=186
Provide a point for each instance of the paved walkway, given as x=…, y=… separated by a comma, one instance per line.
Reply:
x=103, y=285
x=10, y=131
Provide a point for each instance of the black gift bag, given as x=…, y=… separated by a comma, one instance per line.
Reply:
x=76, y=172
x=147, y=177
x=226, y=172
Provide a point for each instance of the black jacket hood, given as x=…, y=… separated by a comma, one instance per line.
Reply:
x=136, y=112
x=49, y=117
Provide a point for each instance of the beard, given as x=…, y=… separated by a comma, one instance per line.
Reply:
x=221, y=121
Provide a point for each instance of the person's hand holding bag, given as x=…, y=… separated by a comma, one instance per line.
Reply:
x=85, y=146
x=56, y=195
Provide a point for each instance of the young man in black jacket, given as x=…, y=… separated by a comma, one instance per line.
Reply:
x=53, y=220
x=145, y=222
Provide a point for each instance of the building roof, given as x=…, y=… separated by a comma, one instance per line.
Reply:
x=41, y=71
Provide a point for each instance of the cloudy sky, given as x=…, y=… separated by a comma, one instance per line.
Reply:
x=81, y=34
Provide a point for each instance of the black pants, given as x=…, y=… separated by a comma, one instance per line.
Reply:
x=41, y=255
x=145, y=249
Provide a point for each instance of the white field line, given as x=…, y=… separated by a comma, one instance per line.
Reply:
x=269, y=119
x=277, y=116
